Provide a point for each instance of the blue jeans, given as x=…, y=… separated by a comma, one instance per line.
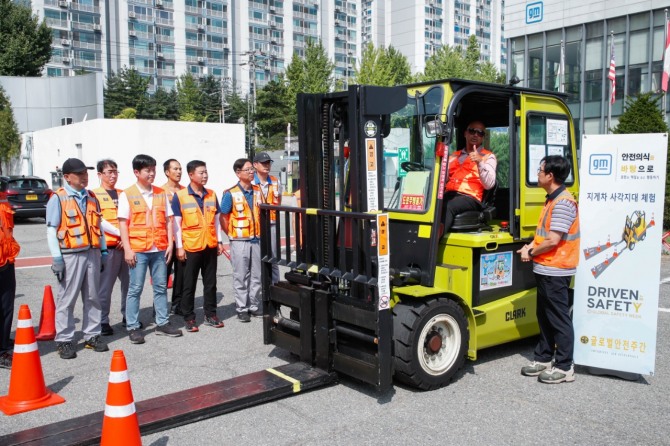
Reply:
x=155, y=261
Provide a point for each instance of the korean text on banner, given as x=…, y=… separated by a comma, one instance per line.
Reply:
x=621, y=200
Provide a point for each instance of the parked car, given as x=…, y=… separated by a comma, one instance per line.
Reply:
x=27, y=195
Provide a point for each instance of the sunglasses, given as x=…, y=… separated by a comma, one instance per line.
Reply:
x=477, y=132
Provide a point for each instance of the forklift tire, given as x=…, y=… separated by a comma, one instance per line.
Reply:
x=430, y=342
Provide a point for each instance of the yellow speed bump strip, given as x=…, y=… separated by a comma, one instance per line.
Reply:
x=295, y=382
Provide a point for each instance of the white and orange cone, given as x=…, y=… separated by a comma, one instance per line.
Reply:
x=27, y=390
x=120, y=425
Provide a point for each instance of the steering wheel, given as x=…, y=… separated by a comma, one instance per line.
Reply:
x=412, y=166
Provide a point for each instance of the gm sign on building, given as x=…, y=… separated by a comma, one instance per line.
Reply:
x=534, y=12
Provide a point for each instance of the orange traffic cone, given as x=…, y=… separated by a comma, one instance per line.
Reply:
x=27, y=390
x=120, y=425
x=47, y=331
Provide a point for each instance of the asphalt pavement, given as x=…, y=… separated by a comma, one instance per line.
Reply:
x=489, y=402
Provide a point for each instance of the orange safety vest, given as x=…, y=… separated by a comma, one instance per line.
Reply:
x=198, y=230
x=9, y=247
x=147, y=227
x=464, y=178
x=272, y=197
x=169, y=192
x=566, y=254
x=109, y=212
x=244, y=223
x=77, y=232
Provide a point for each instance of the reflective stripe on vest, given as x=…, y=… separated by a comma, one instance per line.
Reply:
x=272, y=197
x=77, y=232
x=9, y=247
x=464, y=178
x=109, y=212
x=147, y=227
x=566, y=254
x=198, y=231
x=244, y=223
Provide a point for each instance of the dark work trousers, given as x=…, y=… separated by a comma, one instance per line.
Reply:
x=177, y=283
x=456, y=204
x=7, y=295
x=196, y=262
x=553, y=315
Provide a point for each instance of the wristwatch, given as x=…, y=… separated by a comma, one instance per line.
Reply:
x=530, y=252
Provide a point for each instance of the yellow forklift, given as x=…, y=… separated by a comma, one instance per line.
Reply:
x=380, y=154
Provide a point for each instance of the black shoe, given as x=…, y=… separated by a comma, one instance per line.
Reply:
x=123, y=323
x=213, y=321
x=6, y=360
x=191, y=326
x=66, y=350
x=169, y=330
x=257, y=313
x=136, y=337
x=244, y=317
x=96, y=344
x=106, y=330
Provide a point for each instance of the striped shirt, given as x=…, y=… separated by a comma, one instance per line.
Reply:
x=562, y=217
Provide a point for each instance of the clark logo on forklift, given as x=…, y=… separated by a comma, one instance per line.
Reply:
x=370, y=129
x=516, y=314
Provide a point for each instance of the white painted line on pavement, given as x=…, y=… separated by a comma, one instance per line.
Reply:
x=666, y=280
x=664, y=310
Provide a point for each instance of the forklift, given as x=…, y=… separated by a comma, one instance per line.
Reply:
x=380, y=154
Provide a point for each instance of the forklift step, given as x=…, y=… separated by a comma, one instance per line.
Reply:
x=184, y=407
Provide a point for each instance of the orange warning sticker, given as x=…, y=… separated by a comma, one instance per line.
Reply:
x=382, y=227
x=371, y=145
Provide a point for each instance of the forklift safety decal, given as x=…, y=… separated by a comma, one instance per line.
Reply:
x=443, y=176
x=495, y=270
x=371, y=163
x=412, y=202
x=384, y=261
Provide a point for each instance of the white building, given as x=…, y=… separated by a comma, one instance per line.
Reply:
x=251, y=41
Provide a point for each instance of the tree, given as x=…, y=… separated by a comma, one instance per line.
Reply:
x=373, y=69
x=161, y=105
x=210, y=103
x=126, y=89
x=189, y=98
x=272, y=110
x=400, y=68
x=643, y=115
x=454, y=62
x=25, y=43
x=127, y=113
x=10, y=139
x=313, y=74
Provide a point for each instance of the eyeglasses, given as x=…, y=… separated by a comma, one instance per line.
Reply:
x=249, y=170
x=111, y=172
x=540, y=170
x=477, y=132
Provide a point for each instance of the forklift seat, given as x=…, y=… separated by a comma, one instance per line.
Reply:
x=477, y=220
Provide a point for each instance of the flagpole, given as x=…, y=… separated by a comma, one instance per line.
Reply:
x=609, y=99
x=663, y=87
x=561, y=85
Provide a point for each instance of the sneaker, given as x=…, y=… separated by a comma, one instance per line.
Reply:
x=213, y=321
x=6, y=360
x=96, y=344
x=243, y=317
x=136, y=337
x=191, y=326
x=66, y=350
x=106, y=330
x=168, y=330
x=123, y=323
x=257, y=313
x=556, y=376
x=535, y=368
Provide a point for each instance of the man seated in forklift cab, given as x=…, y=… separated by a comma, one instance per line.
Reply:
x=472, y=170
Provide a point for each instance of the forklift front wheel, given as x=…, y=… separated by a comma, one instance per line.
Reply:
x=431, y=340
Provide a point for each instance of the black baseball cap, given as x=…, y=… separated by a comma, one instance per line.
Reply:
x=75, y=165
x=262, y=157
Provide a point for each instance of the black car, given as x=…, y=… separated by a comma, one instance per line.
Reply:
x=27, y=195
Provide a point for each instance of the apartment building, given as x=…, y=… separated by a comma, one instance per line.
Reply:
x=249, y=42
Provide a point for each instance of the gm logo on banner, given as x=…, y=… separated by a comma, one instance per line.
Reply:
x=600, y=164
x=534, y=12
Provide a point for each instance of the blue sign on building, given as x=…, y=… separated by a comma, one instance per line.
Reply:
x=534, y=12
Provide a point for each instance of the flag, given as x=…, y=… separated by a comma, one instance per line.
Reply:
x=612, y=73
x=666, y=62
x=558, y=85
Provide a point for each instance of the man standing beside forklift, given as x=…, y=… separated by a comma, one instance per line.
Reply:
x=471, y=171
x=555, y=254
